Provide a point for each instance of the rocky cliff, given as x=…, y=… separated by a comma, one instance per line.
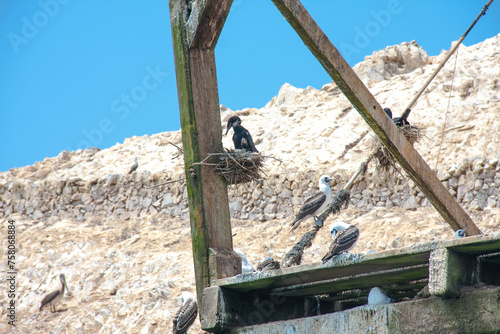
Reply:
x=125, y=245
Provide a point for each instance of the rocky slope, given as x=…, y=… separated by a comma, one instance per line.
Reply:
x=126, y=251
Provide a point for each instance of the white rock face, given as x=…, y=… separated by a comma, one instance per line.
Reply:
x=125, y=247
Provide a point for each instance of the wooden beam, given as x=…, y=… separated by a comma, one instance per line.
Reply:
x=449, y=271
x=371, y=111
x=205, y=22
x=201, y=134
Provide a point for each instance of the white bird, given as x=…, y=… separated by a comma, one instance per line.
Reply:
x=186, y=315
x=378, y=297
x=55, y=296
x=246, y=266
x=315, y=204
x=134, y=166
x=345, y=237
x=460, y=233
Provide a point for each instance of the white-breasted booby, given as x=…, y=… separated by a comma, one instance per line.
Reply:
x=55, y=296
x=241, y=137
x=345, y=237
x=134, y=166
x=315, y=204
x=186, y=315
x=378, y=297
x=459, y=234
x=246, y=266
x=268, y=264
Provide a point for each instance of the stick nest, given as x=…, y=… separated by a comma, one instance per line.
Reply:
x=386, y=161
x=236, y=166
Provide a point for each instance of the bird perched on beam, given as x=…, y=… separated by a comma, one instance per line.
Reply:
x=399, y=121
x=315, y=204
x=55, y=296
x=459, y=234
x=241, y=137
x=186, y=315
x=246, y=266
x=268, y=264
x=345, y=237
x=134, y=166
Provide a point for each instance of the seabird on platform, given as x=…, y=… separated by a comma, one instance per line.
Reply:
x=241, y=137
x=315, y=204
x=345, y=237
x=55, y=296
x=268, y=264
x=460, y=233
x=246, y=266
x=134, y=166
x=186, y=314
x=378, y=297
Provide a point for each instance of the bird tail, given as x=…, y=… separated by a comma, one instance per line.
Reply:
x=327, y=257
x=295, y=224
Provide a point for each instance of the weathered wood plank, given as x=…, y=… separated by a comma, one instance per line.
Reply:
x=205, y=22
x=449, y=271
x=360, y=281
x=371, y=111
x=359, y=264
x=476, y=311
x=201, y=134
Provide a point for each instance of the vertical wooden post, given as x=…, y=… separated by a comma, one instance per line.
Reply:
x=201, y=134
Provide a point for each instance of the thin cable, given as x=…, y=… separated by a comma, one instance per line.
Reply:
x=447, y=110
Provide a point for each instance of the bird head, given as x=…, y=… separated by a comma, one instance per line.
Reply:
x=63, y=280
x=325, y=179
x=460, y=233
x=186, y=295
x=232, y=121
x=337, y=227
x=388, y=111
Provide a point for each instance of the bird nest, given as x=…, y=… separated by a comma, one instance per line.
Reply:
x=386, y=160
x=236, y=166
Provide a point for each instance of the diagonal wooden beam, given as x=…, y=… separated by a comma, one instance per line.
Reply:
x=371, y=111
x=205, y=22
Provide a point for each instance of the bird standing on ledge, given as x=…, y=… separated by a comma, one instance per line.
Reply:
x=241, y=137
x=345, y=237
x=134, y=166
x=55, y=296
x=315, y=204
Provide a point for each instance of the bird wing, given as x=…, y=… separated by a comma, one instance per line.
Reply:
x=48, y=298
x=309, y=207
x=250, y=146
x=185, y=316
x=344, y=241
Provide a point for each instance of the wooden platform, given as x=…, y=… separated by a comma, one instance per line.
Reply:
x=296, y=292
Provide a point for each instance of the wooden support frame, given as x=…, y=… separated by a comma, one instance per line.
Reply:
x=371, y=111
x=198, y=94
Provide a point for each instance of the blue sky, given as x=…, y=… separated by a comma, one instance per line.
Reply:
x=79, y=73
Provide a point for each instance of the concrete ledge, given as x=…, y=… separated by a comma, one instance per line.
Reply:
x=476, y=311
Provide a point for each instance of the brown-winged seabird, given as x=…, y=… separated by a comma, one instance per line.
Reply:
x=315, y=204
x=55, y=296
x=186, y=314
x=134, y=166
x=268, y=264
x=241, y=137
x=345, y=237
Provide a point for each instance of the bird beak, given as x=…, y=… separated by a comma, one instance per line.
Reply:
x=228, y=127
